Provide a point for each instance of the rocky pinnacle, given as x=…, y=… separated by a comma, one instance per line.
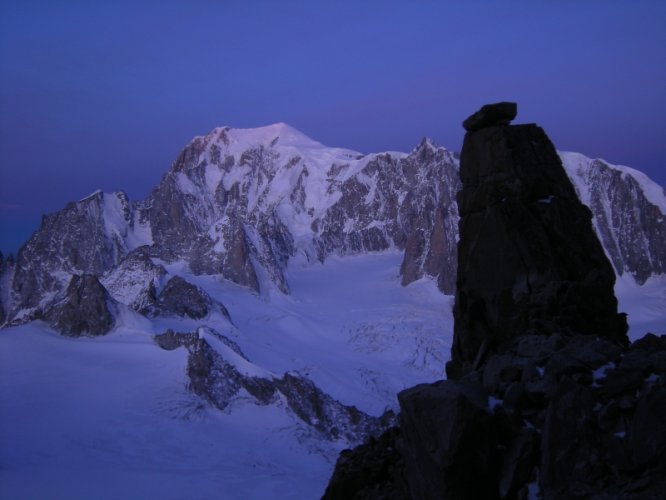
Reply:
x=543, y=397
x=529, y=261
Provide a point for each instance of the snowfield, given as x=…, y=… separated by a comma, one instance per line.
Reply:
x=112, y=417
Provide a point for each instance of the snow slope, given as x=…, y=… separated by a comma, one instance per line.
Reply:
x=644, y=304
x=577, y=164
x=111, y=417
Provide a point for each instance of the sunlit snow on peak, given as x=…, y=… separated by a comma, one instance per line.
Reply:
x=578, y=164
x=277, y=135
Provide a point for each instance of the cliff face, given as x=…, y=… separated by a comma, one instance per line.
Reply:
x=628, y=214
x=543, y=397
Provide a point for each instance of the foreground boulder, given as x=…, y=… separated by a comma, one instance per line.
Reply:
x=544, y=398
x=446, y=427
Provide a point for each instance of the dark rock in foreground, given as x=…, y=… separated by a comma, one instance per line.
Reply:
x=372, y=470
x=528, y=258
x=452, y=416
x=569, y=417
x=544, y=398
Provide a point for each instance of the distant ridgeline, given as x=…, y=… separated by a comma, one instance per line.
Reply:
x=239, y=203
x=544, y=397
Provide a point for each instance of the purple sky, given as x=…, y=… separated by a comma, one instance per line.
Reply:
x=105, y=94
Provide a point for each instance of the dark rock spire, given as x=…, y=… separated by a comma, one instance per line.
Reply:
x=543, y=397
x=528, y=258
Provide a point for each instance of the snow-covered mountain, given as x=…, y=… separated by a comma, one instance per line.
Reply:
x=628, y=210
x=239, y=203
x=296, y=285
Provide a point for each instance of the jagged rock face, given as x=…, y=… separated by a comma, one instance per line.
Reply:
x=242, y=207
x=209, y=210
x=529, y=260
x=218, y=371
x=148, y=289
x=85, y=308
x=135, y=281
x=390, y=203
x=631, y=227
x=191, y=216
x=86, y=237
x=431, y=215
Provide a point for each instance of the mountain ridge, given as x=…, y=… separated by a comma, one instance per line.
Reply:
x=274, y=274
x=240, y=203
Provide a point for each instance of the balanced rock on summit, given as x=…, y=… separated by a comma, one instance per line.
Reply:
x=500, y=113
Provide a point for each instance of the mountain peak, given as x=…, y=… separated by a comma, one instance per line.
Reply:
x=275, y=135
x=427, y=142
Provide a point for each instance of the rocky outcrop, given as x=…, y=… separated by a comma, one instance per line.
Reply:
x=529, y=260
x=136, y=280
x=220, y=372
x=491, y=115
x=85, y=308
x=554, y=408
x=199, y=222
x=185, y=299
x=147, y=288
x=563, y=417
x=431, y=209
x=373, y=470
x=446, y=427
x=87, y=237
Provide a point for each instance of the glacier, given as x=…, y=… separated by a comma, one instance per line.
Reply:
x=111, y=417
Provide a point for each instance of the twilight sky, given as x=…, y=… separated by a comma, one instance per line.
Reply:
x=105, y=94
